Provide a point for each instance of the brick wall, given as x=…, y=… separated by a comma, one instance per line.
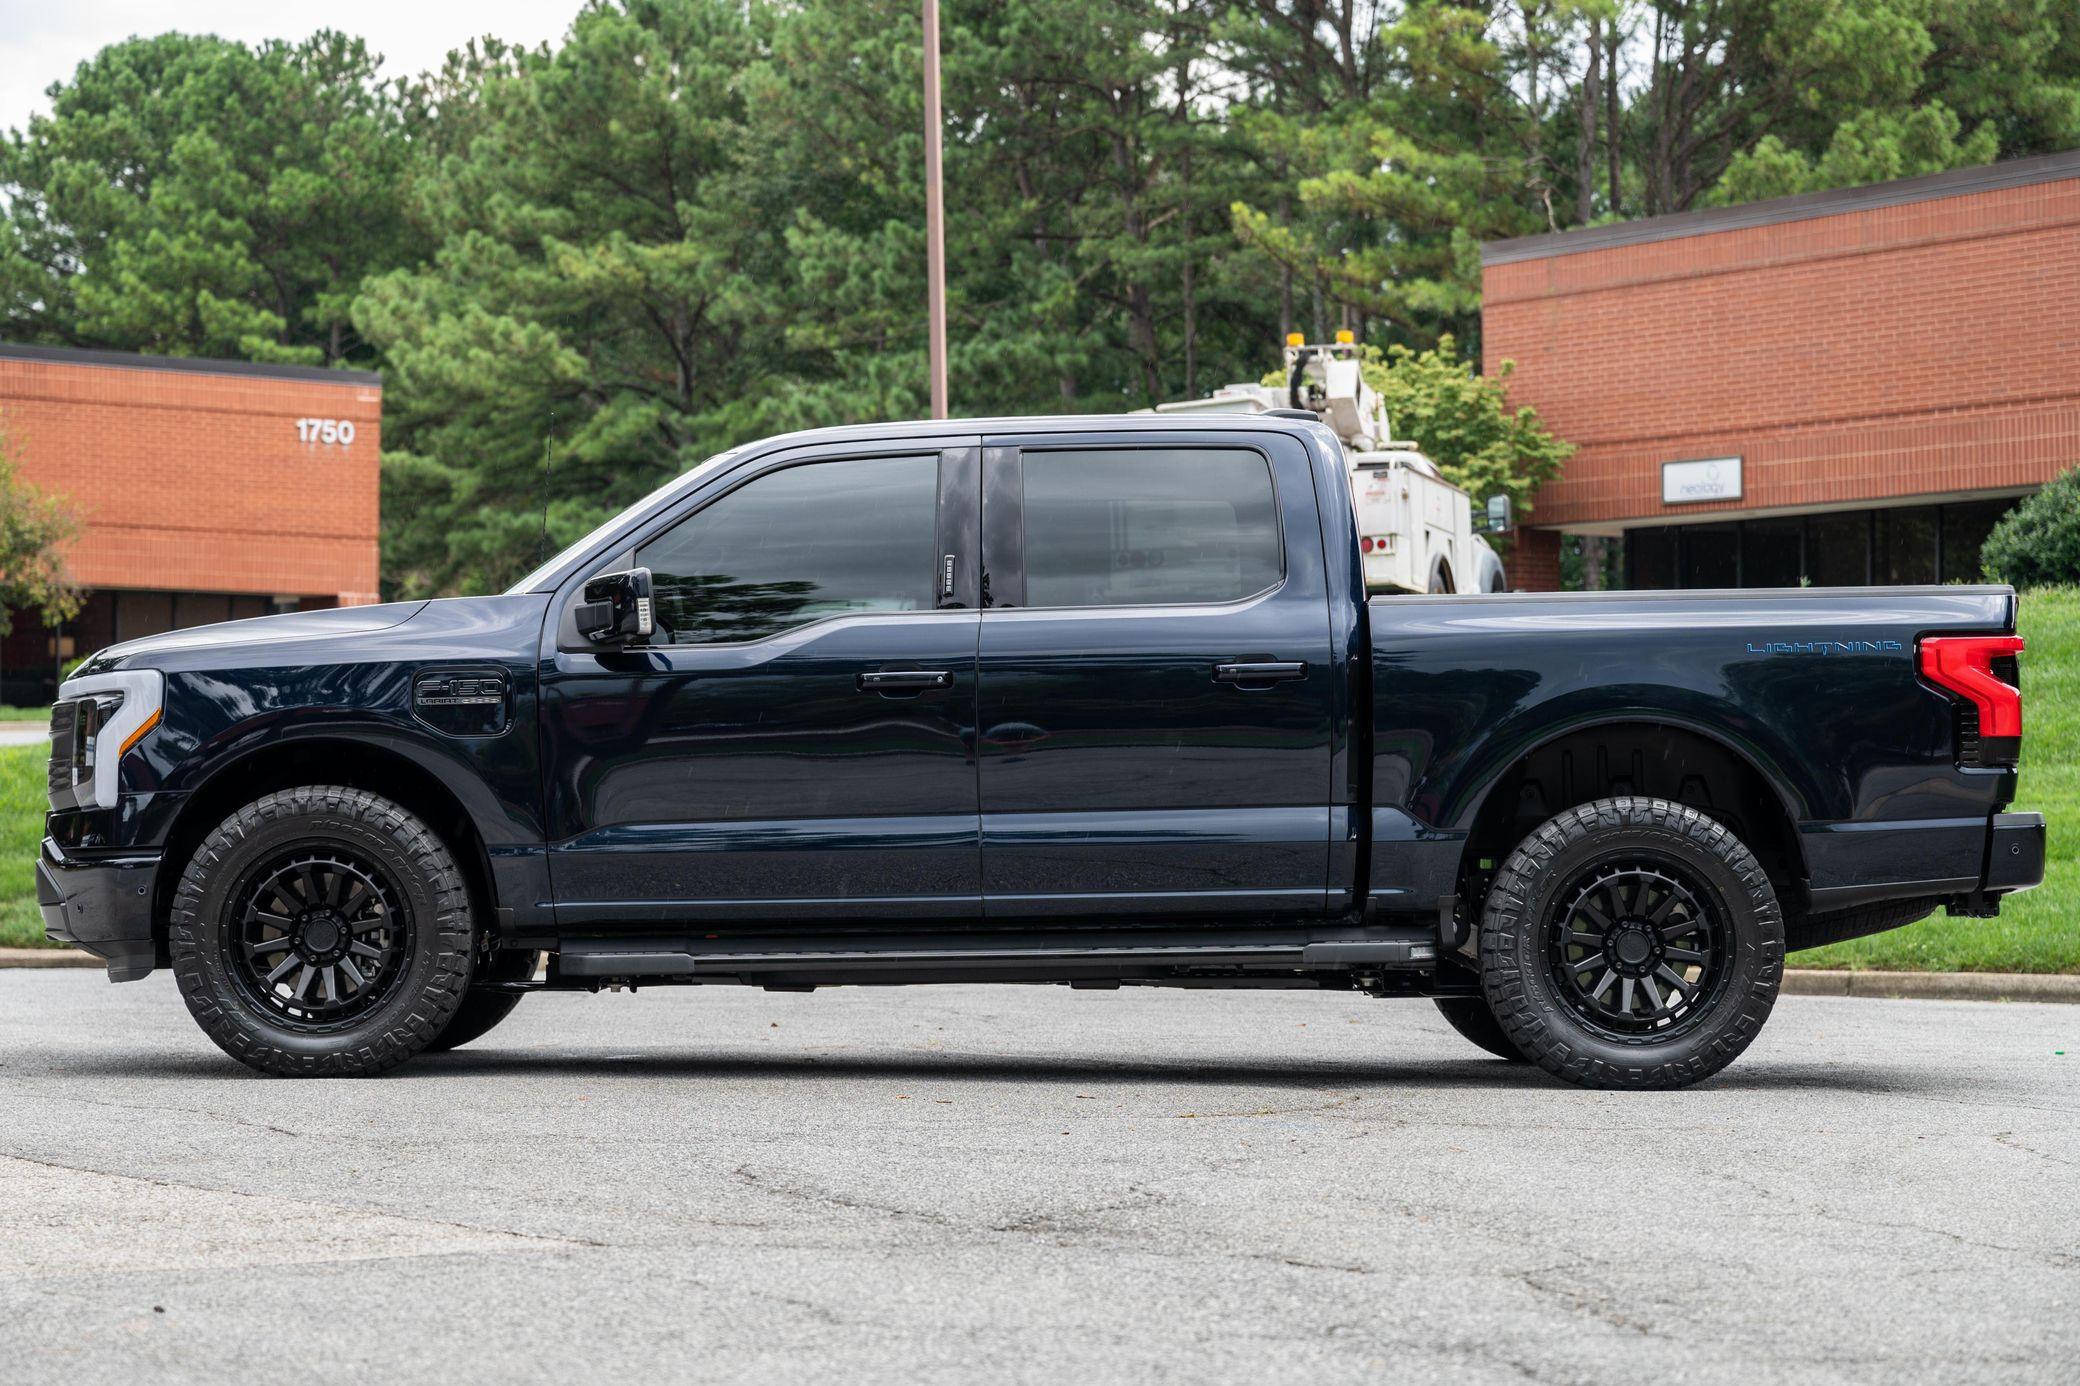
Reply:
x=194, y=481
x=1922, y=348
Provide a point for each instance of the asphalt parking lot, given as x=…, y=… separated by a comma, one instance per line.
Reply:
x=1028, y=1184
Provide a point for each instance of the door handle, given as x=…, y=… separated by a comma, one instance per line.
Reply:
x=1261, y=671
x=887, y=681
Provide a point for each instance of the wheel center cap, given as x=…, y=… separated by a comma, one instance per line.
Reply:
x=321, y=934
x=1632, y=947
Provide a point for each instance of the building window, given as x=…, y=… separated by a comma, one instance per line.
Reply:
x=1899, y=546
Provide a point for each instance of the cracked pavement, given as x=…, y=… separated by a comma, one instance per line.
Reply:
x=951, y=1184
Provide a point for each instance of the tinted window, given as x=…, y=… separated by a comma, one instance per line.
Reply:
x=1770, y=553
x=1148, y=526
x=796, y=545
x=1965, y=527
x=1838, y=549
x=1650, y=559
x=1710, y=556
x=1907, y=545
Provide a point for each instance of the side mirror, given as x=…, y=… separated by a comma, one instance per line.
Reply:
x=616, y=609
x=1499, y=514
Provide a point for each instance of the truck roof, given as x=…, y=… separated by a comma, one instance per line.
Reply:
x=1043, y=423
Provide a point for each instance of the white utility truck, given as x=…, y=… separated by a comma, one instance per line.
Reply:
x=1416, y=531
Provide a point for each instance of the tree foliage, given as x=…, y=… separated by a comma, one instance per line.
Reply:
x=1464, y=421
x=2037, y=544
x=34, y=526
x=690, y=223
x=194, y=196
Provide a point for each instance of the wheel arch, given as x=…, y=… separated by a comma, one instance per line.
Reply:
x=356, y=764
x=1652, y=756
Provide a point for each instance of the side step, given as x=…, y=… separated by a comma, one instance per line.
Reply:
x=1021, y=955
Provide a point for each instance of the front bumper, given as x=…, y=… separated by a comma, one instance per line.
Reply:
x=103, y=905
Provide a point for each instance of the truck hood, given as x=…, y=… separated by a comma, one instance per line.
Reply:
x=293, y=626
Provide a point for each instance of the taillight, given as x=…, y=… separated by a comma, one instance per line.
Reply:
x=1982, y=670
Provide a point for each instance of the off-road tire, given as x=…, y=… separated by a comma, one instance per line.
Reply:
x=435, y=967
x=481, y=1010
x=1818, y=930
x=1517, y=931
x=1470, y=1016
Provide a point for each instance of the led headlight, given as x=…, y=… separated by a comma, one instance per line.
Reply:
x=111, y=714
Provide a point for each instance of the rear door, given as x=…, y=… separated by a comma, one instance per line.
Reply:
x=1155, y=678
x=797, y=742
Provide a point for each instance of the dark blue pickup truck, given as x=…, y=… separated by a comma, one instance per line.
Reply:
x=1098, y=702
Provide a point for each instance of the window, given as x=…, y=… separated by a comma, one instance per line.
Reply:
x=796, y=545
x=1770, y=552
x=1906, y=549
x=1709, y=556
x=1838, y=549
x=1965, y=527
x=1153, y=526
x=1650, y=559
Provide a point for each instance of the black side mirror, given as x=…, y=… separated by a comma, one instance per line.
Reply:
x=616, y=609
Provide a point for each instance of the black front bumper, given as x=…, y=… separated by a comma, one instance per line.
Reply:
x=103, y=905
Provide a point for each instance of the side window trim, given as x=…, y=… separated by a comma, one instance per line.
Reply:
x=1004, y=511
x=956, y=455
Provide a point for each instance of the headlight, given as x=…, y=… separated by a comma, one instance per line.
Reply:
x=95, y=721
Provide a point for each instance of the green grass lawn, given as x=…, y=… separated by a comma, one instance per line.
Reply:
x=24, y=779
x=24, y=714
x=2038, y=931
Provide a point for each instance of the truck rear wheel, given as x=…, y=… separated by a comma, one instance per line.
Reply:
x=322, y=931
x=1631, y=943
x=482, y=1009
x=1470, y=1016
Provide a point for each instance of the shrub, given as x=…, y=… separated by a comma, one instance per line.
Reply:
x=2038, y=543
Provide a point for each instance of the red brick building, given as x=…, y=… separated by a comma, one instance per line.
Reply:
x=205, y=491
x=1846, y=387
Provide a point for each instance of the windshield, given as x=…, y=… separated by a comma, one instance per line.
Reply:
x=540, y=576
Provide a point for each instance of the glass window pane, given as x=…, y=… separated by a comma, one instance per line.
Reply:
x=1769, y=552
x=797, y=545
x=1131, y=527
x=1650, y=559
x=1965, y=527
x=1710, y=556
x=1907, y=545
x=1838, y=549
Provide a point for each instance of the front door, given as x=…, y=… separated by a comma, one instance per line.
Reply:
x=797, y=742
x=1156, y=677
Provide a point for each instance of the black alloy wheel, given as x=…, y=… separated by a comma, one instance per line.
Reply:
x=1635, y=948
x=322, y=930
x=1631, y=943
x=320, y=938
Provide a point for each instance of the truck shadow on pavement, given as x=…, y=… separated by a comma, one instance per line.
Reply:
x=1211, y=1071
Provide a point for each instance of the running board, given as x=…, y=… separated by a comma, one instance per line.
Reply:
x=1070, y=954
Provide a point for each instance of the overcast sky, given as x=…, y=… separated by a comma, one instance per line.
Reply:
x=42, y=41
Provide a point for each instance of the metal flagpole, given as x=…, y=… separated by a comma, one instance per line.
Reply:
x=934, y=212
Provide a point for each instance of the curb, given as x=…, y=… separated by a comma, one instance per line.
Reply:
x=48, y=957
x=1934, y=986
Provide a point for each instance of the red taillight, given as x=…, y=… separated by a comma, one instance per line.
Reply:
x=1963, y=664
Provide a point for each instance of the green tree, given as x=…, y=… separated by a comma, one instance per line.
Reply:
x=1464, y=422
x=34, y=526
x=597, y=316
x=194, y=196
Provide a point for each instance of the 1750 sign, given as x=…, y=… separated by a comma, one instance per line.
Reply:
x=336, y=431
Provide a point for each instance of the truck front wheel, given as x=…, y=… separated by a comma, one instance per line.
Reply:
x=322, y=931
x=1631, y=943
